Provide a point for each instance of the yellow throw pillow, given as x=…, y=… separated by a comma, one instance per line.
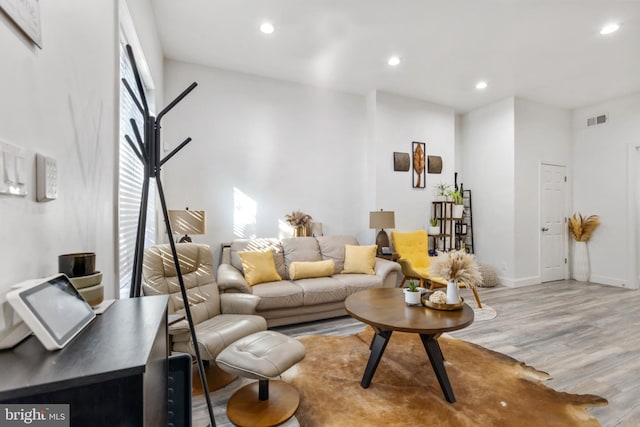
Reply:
x=258, y=267
x=359, y=259
x=309, y=269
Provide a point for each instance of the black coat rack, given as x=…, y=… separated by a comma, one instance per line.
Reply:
x=148, y=151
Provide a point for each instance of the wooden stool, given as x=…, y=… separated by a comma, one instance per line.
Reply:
x=262, y=356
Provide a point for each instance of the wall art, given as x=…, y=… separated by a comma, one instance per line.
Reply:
x=401, y=162
x=434, y=164
x=418, y=164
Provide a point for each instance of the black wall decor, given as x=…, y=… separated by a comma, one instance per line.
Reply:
x=148, y=149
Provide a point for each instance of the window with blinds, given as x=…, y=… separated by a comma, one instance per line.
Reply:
x=130, y=179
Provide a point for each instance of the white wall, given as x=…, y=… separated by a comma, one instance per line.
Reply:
x=488, y=165
x=61, y=101
x=399, y=122
x=285, y=146
x=542, y=135
x=601, y=186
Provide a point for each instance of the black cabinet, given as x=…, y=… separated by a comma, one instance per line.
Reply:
x=114, y=373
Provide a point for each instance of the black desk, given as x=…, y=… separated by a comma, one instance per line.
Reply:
x=114, y=373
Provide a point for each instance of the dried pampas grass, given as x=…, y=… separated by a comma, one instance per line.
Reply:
x=458, y=266
x=581, y=228
x=298, y=218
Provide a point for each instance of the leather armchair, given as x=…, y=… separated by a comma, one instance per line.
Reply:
x=219, y=319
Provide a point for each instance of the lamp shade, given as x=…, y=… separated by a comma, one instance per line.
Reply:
x=188, y=222
x=382, y=219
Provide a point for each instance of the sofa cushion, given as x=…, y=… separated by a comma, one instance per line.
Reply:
x=310, y=269
x=357, y=282
x=300, y=249
x=359, y=259
x=259, y=267
x=332, y=247
x=283, y=294
x=321, y=290
x=258, y=245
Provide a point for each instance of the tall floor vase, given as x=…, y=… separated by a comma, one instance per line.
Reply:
x=581, y=264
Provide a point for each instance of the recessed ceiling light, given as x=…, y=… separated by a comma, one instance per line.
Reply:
x=610, y=28
x=481, y=85
x=393, y=61
x=267, y=28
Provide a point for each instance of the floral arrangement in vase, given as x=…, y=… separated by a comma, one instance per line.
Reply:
x=457, y=267
x=581, y=229
x=300, y=222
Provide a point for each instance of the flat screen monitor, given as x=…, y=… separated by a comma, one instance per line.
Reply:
x=53, y=309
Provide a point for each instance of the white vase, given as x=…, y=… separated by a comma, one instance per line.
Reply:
x=453, y=294
x=457, y=211
x=434, y=230
x=581, y=267
x=412, y=298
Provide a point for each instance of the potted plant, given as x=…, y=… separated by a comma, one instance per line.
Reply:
x=457, y=267
x=458, y=206
x=412, y=294
x=581, y=228
x=434, y=228
x=441, y=192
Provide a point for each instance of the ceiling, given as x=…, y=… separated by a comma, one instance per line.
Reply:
x=549, y=51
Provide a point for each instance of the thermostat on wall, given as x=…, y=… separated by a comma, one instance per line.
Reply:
x=52, y=308
x=46, y=178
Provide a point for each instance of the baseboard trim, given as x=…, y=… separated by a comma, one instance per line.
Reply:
x=611, y=281
x=519, y=283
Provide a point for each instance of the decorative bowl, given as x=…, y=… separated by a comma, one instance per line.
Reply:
x=77, y=265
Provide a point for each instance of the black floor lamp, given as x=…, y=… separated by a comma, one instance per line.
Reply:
x=148, y=151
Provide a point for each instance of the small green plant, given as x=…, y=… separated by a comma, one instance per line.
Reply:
x=412, y=286
x=456, y=197
x=433, y=222
x=442, y=190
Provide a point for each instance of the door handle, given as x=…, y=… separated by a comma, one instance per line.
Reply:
x=545, y=229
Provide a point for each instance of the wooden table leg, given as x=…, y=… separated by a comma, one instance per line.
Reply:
x=434, y=352
x=379, y=343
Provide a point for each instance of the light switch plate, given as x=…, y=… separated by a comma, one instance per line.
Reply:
x=46, y=178
x=13, y=170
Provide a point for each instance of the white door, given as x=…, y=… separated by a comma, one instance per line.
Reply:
x=552, y=222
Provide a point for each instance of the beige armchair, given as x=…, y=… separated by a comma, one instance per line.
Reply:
x=219, y=319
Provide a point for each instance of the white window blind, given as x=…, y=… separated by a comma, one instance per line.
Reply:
x=130, y=179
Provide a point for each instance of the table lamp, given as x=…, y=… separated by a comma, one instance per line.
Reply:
x=381, y=220
x=188, y=222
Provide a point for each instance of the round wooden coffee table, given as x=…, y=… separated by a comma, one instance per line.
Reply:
x=385, y=311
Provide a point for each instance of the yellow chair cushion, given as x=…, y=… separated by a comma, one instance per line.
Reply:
x=413, y=246
x=309, y=269
x=359, y=259
x=259, y=267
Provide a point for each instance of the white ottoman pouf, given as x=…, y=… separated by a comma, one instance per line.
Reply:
x=262, y=356
x=489, y=276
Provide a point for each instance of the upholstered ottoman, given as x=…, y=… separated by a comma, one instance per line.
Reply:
x=262, y=356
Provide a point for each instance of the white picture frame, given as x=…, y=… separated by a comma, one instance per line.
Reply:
x=26, y=15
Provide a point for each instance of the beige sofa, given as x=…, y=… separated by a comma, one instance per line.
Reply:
x=292, y=301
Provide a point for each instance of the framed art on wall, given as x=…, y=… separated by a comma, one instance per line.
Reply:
x=418, y=164
x=401, y=162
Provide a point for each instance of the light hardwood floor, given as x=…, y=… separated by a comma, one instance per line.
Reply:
x=587, y=336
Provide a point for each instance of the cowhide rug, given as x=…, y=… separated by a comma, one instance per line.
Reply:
x=491, y=389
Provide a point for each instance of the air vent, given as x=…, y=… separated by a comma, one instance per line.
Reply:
x=598, y=120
